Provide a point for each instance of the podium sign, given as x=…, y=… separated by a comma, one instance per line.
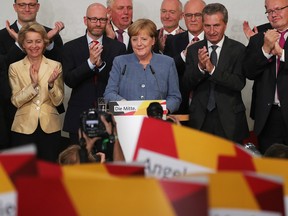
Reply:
x=136, y=107
x=129, y=116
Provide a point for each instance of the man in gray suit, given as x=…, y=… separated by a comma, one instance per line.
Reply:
x=214, y=73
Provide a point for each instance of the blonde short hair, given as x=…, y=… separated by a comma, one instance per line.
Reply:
x=32, y=27
x=143, y=25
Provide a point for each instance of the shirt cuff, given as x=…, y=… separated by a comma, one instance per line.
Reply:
x=267, y=55
x=91, y=66
x=100, y=68
x=50, y=46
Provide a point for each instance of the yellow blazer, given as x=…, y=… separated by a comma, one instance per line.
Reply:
x=39, y=104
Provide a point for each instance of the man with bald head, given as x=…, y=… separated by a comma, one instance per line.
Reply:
x=266, y=63
x=171, y=12
x=87, y=61
x=176, y=46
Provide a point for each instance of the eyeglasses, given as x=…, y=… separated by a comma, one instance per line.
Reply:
x=24, y=5
x=95, y=20
x=190, y=15
x=276, y=10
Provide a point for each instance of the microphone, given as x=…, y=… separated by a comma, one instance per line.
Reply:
x=153, y=73
x=124, y=70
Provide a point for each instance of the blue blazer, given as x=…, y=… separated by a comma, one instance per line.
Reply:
x=130, y=81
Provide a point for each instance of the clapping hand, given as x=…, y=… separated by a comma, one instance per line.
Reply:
x=11, y=31
x=59, y=26
x=248, y=31
x=33, y=75
x=53, y=77
x=204, y=60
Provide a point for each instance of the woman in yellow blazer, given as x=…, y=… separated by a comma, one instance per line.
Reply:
x=37, y=88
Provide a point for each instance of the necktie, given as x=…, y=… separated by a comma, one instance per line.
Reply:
x=211, y=100
x=195, y=39
x=120, y=35
x=281, y=44
x=95, y=41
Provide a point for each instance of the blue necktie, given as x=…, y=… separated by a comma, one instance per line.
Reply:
x=211, y=100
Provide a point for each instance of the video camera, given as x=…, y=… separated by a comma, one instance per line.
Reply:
x=92, y=125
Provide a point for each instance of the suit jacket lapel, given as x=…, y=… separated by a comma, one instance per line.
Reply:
x=15, y=27
x=223, y=58
x=105, y=46
x=282, y=64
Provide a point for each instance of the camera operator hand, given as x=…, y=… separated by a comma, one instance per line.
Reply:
x=111, y=129
x=102, y=157
x=90, y=144
x=173, y=119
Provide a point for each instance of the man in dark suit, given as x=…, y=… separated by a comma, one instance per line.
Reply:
x=249, y=33
x=120, y=15
x=9, y=48
x=170, y=16
x=214, y=73
x=265, y=62
x=176, y=46
x=87, y=62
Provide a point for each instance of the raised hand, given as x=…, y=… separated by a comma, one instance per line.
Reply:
x=59, y=26
x=33, y=75
x=204, y=60
x=162, y=39
x=277, y=50
x=271, y=37
x=189, y=44
x=248, y=31
x=95, y=50
x=11, y=32
x=109, y=29
x=56, y=73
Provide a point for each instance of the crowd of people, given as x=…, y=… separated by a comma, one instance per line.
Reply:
x=199, y=71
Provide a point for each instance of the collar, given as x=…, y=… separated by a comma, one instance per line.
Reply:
x=171, y=33
x=89, y=39
x=116, y=28
x=18, y=25
x=200, y=36
x=219, y=44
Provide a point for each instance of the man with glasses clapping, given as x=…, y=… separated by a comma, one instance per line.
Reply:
x=87, y=61
x=176, y=46
x=266, y=64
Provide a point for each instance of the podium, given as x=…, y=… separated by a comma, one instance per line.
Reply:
x=129, y=116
